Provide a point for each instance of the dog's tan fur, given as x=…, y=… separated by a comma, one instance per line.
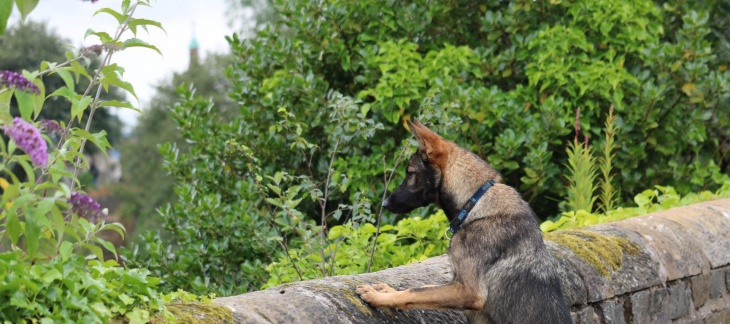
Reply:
x=498, y=240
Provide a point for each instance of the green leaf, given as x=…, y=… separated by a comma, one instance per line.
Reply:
x=107, y=245
x=79, y=106
x=120, y=104
x=25, y=104
x=13, y=226
x=25, y=7
x=5, y=97
x=104, y=37
x=138, y=316
x=99, y=139
x=52, y=275
x=135, y=22
x=67, y=78
x=126, y=299
x=136, y=42
x=117, y=227
x=97, y=251
x=64, y=92
x=65, y=250
x=113, y=79
x=6, y=7
x=119, y=17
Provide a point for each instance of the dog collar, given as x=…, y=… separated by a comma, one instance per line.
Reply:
x=458, y=220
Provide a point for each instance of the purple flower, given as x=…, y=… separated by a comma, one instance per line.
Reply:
x=15, y=80
x=85, y=206
x=30, y=140
x=52, y=127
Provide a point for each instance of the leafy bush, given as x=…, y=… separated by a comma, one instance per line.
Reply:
x=513, y=73
x=410, y=240
x=52, y=264
x=502, y=78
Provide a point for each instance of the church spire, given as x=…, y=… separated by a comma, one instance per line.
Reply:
x=193, y=49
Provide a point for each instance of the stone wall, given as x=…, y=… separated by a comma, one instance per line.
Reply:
x=674, y=266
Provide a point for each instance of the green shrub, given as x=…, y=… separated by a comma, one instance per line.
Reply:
x=52, y=266
x=349, y=245
x=502, y=78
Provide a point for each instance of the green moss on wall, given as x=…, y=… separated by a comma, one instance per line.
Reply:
x=603, y=252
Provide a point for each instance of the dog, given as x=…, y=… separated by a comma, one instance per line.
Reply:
x=502, y=270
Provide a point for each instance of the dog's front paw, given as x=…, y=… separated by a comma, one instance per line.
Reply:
x=369, y=294
x=383, y=288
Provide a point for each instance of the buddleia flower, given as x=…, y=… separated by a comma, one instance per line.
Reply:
x=85, y=206
x=28, y=138
x=10, y=79
x=52, y=127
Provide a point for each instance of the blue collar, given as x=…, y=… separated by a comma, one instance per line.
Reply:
x=458, y=220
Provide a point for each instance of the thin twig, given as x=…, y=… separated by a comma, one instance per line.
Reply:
x=386, y=180
x=323, y=227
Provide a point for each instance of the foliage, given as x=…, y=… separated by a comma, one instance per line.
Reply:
x=502, y=78
x=581, y=173
x=26, y=45
x=52, y=264
x=608, y=196
x=220, y=236
x=410, y=240
x=648, y=201
x=512, y=72
x=145, y=185
x=215, y=248
x=71, y=289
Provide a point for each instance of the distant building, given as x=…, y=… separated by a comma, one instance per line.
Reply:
x=194, y=58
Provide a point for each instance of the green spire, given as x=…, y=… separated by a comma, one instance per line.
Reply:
x=193, y=41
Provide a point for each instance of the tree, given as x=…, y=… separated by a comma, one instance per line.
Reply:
x=25, y=46
x=324, y=91
x=145, y=185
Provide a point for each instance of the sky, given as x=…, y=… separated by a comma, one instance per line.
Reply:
x=144, y=68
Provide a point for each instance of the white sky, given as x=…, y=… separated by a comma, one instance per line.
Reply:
x=144, y=68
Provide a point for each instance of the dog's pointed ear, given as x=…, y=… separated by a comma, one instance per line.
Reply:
x=429, y=142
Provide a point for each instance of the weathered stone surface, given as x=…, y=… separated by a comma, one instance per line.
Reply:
x=632, y=294
x=680, y=299
x=717, y=283
x=638, y=272
x=587, y=315
x=650, y=306
x=612, y=312
x=722, y=316
x=574, y=291
x=679, y=252
x=333, y=300
x=700, y=289
x=707, y=224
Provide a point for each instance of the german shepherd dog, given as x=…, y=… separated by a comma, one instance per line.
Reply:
x=502, y=270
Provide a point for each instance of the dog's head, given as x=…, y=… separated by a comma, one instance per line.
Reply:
x=424, y=173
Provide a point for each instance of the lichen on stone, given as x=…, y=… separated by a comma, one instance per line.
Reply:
x=200, y=313
x=603, y=252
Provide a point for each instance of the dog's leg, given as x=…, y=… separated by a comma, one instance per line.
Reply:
x=451, y=296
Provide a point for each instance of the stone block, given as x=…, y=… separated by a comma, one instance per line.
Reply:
x=639, y=271
x=708, y=226
x=680, y=299
x=587, y=315
x=717, y=283
x=612, y=312
x=574, y=291
x=673, y=244
x=700, y=289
